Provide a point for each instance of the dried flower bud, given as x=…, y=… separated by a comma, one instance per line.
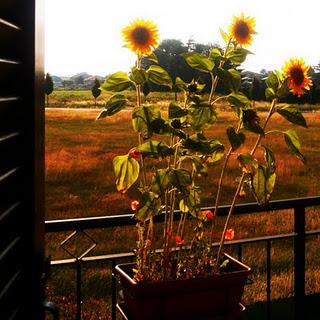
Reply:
x=229, y=234
x=209, y=214
x=134, y=153
x=134, y=205
x=169, y=233
x=242, y=193
x=179, y=240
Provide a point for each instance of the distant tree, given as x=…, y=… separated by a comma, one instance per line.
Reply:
x=255, y=92
x=48, y=86
x=95, y=90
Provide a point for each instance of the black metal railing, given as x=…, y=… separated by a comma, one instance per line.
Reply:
x=298, y=235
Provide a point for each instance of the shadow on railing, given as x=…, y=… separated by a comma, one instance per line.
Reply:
x=298, y=205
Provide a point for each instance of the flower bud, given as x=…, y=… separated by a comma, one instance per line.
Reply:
x=134, y=153
x=229, y=234
x=134, y=205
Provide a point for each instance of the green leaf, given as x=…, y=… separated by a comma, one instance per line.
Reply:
x=272, y=81
x=138, y=76
x=117, y=82
x=247, y=162
x=155, y=149
x=202, y=116
x=151, y=57
x=217, y=155
x=238, y=101
x=235, y=79
x=160, y=181
x=236, y=139
x=175, y=111
x=231, y=78
x=259, y=186
x=180, y=179
x=238, y=56
x=215, y=53
x=292, y=114
x=270, y=159
x=198, y=143
x=293, y=143
x=191, y=203
x=142, y=118
x=180, y=84
x=126, y=170
x=199, y=166
x=115, y=104
x=149, y=206
x=284, y=90
x=251, y=121
x=225, y=36
x=159, y=76
x=270, y=94
x=145, y=89
x=198, y=61
x=271, y=182
x=161, y=126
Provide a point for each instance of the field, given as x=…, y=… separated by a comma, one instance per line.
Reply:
x=80, y=183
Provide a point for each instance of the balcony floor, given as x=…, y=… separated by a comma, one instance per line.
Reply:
x=283, y=309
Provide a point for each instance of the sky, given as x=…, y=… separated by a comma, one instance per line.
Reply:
x=85, y=35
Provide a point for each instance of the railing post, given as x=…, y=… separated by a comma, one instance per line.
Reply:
x=299, y=261
x=79, y=295
x=268, y=273
x=113, y=292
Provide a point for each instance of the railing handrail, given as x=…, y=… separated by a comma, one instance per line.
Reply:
x=299, y=234
x=127, y=219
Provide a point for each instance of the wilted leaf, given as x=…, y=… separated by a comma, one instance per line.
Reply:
x=247, y=162
x=236, y=139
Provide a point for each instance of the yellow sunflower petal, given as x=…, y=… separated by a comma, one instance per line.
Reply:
x=242, y=29
x=141, y=36
x=296, y=72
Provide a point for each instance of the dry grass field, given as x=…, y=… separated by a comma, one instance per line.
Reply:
x=80, y=183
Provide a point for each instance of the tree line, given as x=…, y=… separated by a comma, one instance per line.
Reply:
x=253, y=83
x=169, y=57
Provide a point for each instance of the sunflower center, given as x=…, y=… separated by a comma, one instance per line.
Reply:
x=242, y=29
x=141, y=35
x=297, y=76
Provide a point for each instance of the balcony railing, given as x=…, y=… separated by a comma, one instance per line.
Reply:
x=298, y=235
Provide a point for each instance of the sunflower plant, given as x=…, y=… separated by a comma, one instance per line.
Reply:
x=173, y=151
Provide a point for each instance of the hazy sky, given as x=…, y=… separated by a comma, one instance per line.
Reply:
x=85, y=35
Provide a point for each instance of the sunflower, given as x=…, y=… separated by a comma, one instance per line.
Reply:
x=297, y=74
x=242, y=29
x=141, y=36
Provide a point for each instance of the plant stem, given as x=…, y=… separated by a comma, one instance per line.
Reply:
x=216, y=79
x=273, y=104
x=218, y=195
x=138, y=95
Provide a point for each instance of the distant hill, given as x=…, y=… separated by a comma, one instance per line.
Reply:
x=80, y=80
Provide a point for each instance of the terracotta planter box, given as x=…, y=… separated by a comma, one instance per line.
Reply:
x=217, y=297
